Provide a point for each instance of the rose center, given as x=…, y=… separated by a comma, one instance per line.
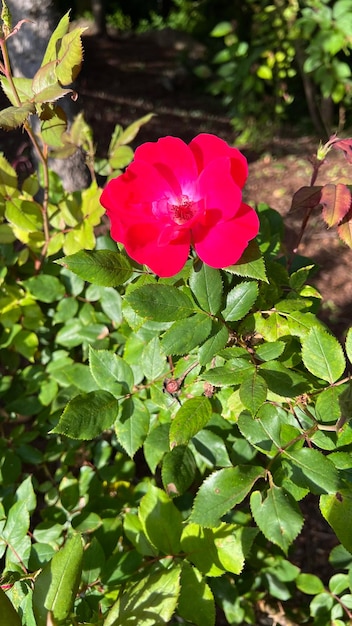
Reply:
x=183, y=211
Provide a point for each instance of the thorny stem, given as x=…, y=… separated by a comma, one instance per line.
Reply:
x=5, y=68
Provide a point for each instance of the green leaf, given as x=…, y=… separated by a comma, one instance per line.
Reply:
x=161, y=303
x=132, y=130
x=216, y=341
x=251, y=264
x=184, y=335
x=57, y=584
x=161, y=521
x=222, y=29
x=277, y=515
x=178, y=470
x=189, y=420
x=206, y=284
x=132, y=425
x=70, y=56
x=322, y=355
x=217, y=550
x=327, y=407
x=337, y=509
x=221, y=491
x=14, y=535
x=100, y=267
x=15, y=116
x=111, y=372
x=149, y=602
x=253, y=392
x=348, y=344
x=282, y=380
x=23, y=88
x=24, y=214
x=61, y=29
x=121, y=157
x=233, y=373
x=240, y=300
x=270, y=350
x=310, y=468
x=8, y=613
x=201, y=610
x=45, y=288
x=86, y=416
x=154, y=362
x=310, y=584
x=156, y=445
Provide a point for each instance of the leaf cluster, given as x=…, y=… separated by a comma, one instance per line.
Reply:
x=159, y=436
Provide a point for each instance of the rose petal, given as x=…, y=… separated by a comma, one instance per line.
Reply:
x=174, y=161
x=141, y=245
x=207, y=148
x=223, y=243
x=218, y=188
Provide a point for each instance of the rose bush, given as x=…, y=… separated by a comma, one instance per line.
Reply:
x=175, y=195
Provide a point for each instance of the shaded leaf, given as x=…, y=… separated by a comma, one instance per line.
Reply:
x=161, y=520
x=310, y=468
x=336, y=202
x=346, y=146
x=306, y=198
x=15, y=116
x=189, y=420
x=8, y=613
x=178, y=470
x=132, y=425
x=217, y=550
x=201, y=610
x=150, y=601
x=251, y=264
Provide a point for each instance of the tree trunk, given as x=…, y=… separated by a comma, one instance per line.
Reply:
x=26, y=49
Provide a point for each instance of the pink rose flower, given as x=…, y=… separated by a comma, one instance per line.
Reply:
x=173, y=196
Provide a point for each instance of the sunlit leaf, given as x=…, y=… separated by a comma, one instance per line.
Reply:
x=277, y=515
x=221, y=491
x=56, y=586
x=86, y=416
x=336, y=202
x=100, y=267
x=322, y=355
x=15, y=116
x=189, y=420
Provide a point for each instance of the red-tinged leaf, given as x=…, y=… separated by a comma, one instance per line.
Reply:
x=345, y=230
x=346, y=146
x=306, y=198
x=336, y=202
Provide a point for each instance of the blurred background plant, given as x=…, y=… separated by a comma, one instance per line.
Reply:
x=269, y=62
